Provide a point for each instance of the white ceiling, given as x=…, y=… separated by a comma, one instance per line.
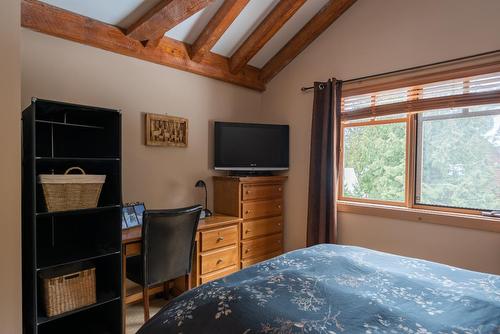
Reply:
x=123, y=13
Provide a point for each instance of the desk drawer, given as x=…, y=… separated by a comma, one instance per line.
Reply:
x=218, y=274
x=261, y=191
x=255, y=228
x=261, y=246
x=219, y=259
x=133, y=249
x=252, y=210
x=219, y=238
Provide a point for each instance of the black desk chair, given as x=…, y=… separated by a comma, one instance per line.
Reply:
x=168, y=238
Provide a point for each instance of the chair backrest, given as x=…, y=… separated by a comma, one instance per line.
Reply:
x=168, y=243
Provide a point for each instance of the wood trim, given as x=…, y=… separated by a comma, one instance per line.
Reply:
x=453, y=101
x=371, y=201
x=340, y=176
x=434, y=73
x=411, y=159
x=446, y=209
x=375, y=122
x=319, y=23
x=408, y=160
x=214, y=30
x=280, y=14
x=469, y=221
x=163, y=17
x=57, y=22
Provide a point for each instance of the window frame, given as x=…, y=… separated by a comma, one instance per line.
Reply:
x=418, y=137
x=343, y=125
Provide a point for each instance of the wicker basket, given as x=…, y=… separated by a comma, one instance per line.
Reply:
x=71, y=192
x=68, y=292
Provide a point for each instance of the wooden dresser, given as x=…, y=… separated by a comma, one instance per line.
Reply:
x=259, y=202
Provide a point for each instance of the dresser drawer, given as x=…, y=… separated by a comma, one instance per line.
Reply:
x=218, y=274
x=252, y=210
x=218, y=259
x=254, y=260
x=261, y=246
x=261, y=191
x=255, y=228
x=219, y=238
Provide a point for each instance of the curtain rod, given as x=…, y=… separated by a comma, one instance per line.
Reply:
x=305, y=89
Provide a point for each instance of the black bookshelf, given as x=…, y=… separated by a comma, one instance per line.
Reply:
x=57, y=136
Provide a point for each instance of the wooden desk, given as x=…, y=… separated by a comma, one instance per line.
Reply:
x=213, y=258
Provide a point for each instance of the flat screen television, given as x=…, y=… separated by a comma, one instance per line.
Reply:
x=251, y=147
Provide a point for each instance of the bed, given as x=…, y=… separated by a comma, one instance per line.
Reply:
x=338, y=289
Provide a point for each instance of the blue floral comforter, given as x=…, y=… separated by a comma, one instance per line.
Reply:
x=338, y=289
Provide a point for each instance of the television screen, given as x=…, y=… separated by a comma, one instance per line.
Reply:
x=248, y=146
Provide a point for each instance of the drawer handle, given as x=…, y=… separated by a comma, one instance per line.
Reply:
x=247, y=212
x=247, y=231
x=279, y=206
x=280, y=189
x=220, y=239
x=247, y=192
x=279, y=224
x=247, y=250
x=219, y=261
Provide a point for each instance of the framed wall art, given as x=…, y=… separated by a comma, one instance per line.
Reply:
x=163, y=130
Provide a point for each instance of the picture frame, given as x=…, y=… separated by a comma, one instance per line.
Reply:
x=132, y=214
x=139, y=209
x=124, y=223
x=164, y=130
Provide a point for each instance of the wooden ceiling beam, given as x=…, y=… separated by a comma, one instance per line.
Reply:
x=163, y=17
x=214, y=30
x=57, y=22
x=319, y=23
x=273, y=22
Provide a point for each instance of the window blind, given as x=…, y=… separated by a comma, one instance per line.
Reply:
x=468, y=91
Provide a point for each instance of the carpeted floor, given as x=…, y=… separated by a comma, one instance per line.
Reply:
x=135, y=313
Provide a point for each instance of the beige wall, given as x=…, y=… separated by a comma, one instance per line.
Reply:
x=376, y=36
x=161, y=177
x=10, y=168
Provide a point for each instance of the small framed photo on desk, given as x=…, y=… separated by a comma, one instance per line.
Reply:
x=139, y=209
x=132, y=215
x=124, y=222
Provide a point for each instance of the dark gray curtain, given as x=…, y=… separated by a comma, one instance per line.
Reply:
x=323, y=170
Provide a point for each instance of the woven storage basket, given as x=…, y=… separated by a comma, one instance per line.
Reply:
x=69, y=292
x=71, y=192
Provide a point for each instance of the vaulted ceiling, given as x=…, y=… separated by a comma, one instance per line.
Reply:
x=245, y=42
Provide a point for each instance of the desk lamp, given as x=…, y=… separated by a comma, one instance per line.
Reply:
x=205, y=212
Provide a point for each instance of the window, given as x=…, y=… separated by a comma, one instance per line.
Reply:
x=433, y=146
x=458, y=158
x=375, y=160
